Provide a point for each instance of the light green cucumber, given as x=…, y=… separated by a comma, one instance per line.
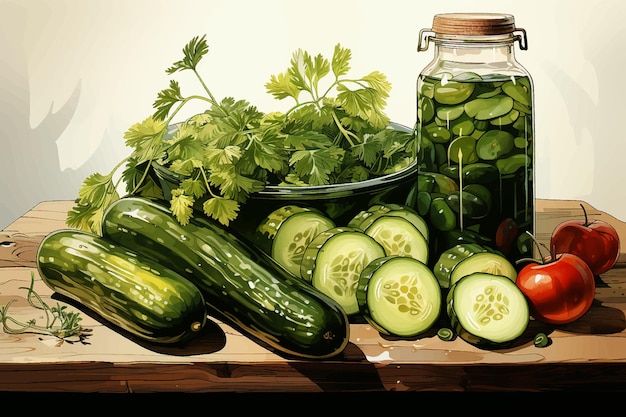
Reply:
x=451, y=257
x=286, y=232
x=487, y=262
x=399, y=296
x=365, y=218
x=488, y=311
x=333, y=262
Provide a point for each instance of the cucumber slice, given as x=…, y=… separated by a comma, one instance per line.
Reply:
x=399, y=237
x=399, y=296
x=333, y=261
x=487, y=310
x=286, y=232
x=451, y=257
x=365, y=218
x=487, y=262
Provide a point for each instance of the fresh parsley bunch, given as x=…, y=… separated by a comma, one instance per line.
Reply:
x=335, y=132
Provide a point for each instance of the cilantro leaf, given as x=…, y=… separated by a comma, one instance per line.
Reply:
x=281, y=86
x=336, y=131
x=94, y=196
x=232, y=184
x=181, y=206
x=268, y=153
x=184, y=146
x=147, y=138
x=193, y=51
x=365, y=103
x=341, y=61
x=137, y=181
x=316, y=165
x=227, y=155
x=193, y=187
x=221, y=209
x=367, y=151
x=166, y=99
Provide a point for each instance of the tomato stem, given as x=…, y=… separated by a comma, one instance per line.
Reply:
x=541, y=259
x=585, y=213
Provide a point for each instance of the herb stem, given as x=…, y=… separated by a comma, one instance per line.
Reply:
x=143, y=177
x=206, y=88
x=206, y=183
x=346, y=133
x=185, y=101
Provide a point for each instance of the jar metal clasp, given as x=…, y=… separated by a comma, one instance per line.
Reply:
x=424, y=39
x=426, y=35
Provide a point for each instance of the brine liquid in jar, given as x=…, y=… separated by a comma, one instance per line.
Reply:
x=475, y=147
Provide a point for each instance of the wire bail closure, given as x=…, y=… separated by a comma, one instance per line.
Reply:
x=425, y=35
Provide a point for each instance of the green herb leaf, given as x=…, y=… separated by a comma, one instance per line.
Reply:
x=336, y=131
x=60, y=322
x=341, y=61
x=193, y=187
x=233, y=185
x=166, y=99
x=315, y=166
x=193, y=51
x=147, y=138
x=221, y=209
x=181, y=206
x=282, y=86
x=94, y=196
x=367, y=151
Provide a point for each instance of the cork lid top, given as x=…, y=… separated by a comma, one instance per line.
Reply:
x=473, y=24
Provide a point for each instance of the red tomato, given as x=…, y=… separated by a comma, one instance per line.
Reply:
x=596, y=242
x=559, y=291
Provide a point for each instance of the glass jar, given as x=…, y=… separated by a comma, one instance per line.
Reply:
x=475, y=135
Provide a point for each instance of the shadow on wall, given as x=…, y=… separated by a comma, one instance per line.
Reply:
x=25, y=185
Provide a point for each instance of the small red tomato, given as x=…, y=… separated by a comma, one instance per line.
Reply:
x=596, y=242
x=560, y=290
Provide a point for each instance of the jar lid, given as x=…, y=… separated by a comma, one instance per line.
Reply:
x=473, y=24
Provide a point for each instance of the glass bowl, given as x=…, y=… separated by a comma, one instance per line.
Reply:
x=339, y=201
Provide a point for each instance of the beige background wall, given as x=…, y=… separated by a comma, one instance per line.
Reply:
x=75, y=74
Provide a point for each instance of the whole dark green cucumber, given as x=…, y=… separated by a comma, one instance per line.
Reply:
x=131, y=291
x=239, y=285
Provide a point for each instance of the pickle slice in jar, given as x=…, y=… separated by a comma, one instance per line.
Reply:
x=473, y=202
x=517, y=91
x=453, y=92
x=462, y=126
x=427, y=88
x=510, y=165
x=479, y=173
x=491, y=93
x=441, y=215
x=425, y=109
x=494, y=144
x=479, y=191
x=521, y=108
x=442, y=184
x=464, y=146
x=449, y=113
x=522, y=124
x=467, y=76
x=437, y=134
x=489, y=108
x=505, y=120
x=423, y=202
x=520, y=142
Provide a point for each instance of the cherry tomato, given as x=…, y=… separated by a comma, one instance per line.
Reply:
x=560, y=290
x=596, y=242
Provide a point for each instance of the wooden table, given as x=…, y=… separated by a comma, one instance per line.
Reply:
x=587, y=354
